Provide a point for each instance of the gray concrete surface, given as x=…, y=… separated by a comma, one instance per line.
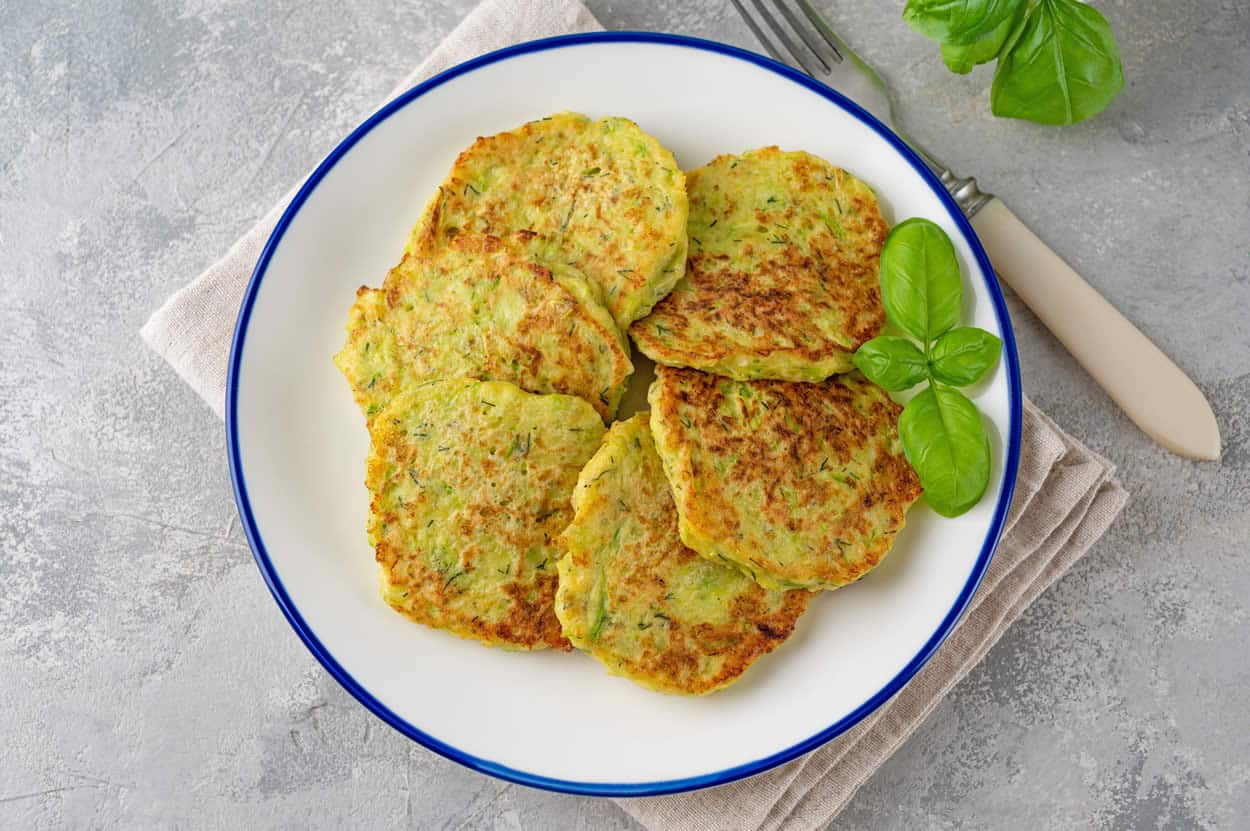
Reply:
x=147, y=678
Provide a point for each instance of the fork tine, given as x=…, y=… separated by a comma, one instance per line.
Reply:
x=799, y=56
x=757, y=31
x=827, y=56
x=822, y=26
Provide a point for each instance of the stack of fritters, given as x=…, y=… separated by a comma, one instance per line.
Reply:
x=794, y=477
x=486, y=307
x=783, y=479
x=490, y=358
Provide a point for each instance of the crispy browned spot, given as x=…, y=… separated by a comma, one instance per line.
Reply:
x=782, y=275
x=606, y=197
x=800, y=484
x=671, y=619
x=470, y=485
x=484, y=307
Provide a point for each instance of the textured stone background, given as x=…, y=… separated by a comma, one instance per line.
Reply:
x=149, y=680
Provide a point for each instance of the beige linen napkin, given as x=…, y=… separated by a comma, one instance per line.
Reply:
x=1065, y=499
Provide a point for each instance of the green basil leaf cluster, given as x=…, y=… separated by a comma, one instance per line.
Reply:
x=943, y=436
x=1058, y=62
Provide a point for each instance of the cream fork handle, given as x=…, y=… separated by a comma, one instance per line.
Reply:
x=1143, y=381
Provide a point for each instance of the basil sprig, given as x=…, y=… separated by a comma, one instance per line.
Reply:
x=943, y=436
x=1058, y=62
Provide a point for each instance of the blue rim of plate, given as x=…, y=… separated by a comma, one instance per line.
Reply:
x=1010, y=467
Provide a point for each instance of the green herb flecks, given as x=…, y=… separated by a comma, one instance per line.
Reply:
x=521, y=444
x=599, y=599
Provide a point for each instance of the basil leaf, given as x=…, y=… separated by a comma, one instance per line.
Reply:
x=958, y=22
x=946, y=444
x=920, y=285
x=1061, y=66
x=961, y=58
x=892, y=363
x=963, y=355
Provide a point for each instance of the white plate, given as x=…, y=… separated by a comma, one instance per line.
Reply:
x=297, y=442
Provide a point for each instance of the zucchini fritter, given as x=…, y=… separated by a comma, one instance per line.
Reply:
x=484, y=307
x=470, y=485
x=605, y=197
x=800, y=485
x=639, y=601
x=782, y=279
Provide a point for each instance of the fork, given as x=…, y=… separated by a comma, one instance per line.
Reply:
x=1152, y=390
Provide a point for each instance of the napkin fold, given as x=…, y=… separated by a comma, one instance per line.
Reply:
x=193, y=330
x=1066, y=497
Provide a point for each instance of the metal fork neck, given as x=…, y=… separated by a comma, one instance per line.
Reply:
x=967, y=195
x=963, y=190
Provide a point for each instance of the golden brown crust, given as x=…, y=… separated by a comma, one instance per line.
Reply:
x=637, y=599
x=605, y=197
x=470, y=485
x=484, y=307
x=799, y=484
x=782, y=275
